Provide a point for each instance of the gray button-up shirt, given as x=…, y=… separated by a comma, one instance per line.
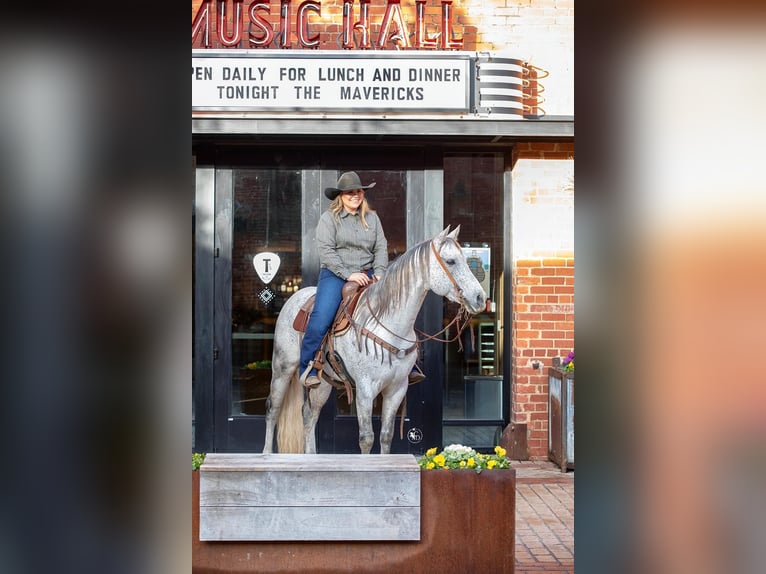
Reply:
x=346, y=247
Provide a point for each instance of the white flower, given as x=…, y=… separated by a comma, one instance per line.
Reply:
x=459, y=449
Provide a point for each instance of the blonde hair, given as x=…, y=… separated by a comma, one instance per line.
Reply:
x=336, y=208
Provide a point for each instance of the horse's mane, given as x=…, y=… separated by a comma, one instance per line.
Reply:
x=386, y=296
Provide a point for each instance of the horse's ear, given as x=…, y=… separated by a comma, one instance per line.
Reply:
x=454, y=233
x=442, y=235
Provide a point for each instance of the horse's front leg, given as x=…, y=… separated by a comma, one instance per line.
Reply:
x=311, y=409
x=392, y=400
x=364, y=416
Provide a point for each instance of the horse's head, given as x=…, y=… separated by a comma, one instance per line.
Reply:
x=450, y=275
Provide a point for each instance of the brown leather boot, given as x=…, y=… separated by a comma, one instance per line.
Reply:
x=416, y=376
x=310, y=381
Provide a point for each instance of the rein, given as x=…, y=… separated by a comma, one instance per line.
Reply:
x=461, y=315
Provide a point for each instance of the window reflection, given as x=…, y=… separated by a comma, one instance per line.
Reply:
x=473, y=199
x=266, y=220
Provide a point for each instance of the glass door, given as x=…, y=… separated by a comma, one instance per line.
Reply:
x=265, y=270
x=258, y=266
x=475, y=394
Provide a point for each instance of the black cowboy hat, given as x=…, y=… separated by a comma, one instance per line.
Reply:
x=346, y=182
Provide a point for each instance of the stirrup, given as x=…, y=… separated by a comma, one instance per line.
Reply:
x=416, y=375
x=308, y=382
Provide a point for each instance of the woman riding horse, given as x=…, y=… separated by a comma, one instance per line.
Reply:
x=378, y=350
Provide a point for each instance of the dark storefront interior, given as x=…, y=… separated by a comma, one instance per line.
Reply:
x=254, y=197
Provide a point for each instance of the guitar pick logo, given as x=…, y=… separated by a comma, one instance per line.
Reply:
x=266, y=265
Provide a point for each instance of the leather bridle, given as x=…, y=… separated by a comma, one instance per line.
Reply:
x=461, y=319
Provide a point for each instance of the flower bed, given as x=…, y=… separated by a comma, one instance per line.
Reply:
x=467, y=524
x=457, y=456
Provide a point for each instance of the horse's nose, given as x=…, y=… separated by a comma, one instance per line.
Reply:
x=480, y=300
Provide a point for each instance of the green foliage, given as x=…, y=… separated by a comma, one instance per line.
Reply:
x=265, y=364
x=457, y=456
x=197, y=459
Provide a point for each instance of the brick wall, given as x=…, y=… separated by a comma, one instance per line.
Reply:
x=542, y=281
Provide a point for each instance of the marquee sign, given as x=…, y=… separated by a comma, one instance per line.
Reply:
x=331, y=81
x=378, y=84
x=245, y=64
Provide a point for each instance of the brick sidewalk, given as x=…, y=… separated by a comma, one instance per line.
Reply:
x=544, y=519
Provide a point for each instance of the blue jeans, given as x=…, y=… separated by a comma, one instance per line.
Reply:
x=328, y=298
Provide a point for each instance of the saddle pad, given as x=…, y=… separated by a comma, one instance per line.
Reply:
x=350, y=296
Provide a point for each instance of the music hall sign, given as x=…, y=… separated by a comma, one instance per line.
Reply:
x=232, y=18
x=247, y=64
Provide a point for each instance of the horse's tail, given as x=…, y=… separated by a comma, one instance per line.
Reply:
x=290, y=423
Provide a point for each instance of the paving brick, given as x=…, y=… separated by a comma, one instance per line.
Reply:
x=544, y=518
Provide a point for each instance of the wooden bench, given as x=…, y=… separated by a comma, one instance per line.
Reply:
x=297, y=497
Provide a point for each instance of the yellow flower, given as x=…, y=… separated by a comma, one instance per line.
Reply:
x=491, y=464
x=439, y=460
x=431, y=451
x=430, y=466
x=499, y=451
x=471, y=462
x=462, y=464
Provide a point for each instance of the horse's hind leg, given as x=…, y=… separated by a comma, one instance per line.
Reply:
x=280, y=382
x=311, y=409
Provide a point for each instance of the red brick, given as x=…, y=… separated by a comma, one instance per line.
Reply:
x=528, y=263
x=553, y=317
x=526, y=333
x=552, y=334
x=544, y=271
x=541, y=146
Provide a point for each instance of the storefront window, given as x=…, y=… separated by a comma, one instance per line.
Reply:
x=473, y=395
x=266, y=270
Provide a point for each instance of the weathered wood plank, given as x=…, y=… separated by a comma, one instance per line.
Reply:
x=309, y=523
x=280, y=488
x=243, y=462
x=280, y=497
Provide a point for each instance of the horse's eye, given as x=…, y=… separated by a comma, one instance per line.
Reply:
x=449, y=261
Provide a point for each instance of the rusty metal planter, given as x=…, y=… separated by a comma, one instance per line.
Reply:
x=467, y=525
x=561, y=418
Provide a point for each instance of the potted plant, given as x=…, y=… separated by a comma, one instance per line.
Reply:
x=459, y=457
x=197, y=459
x=475, y=494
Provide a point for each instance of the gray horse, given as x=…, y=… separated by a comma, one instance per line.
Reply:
x=379, y=351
